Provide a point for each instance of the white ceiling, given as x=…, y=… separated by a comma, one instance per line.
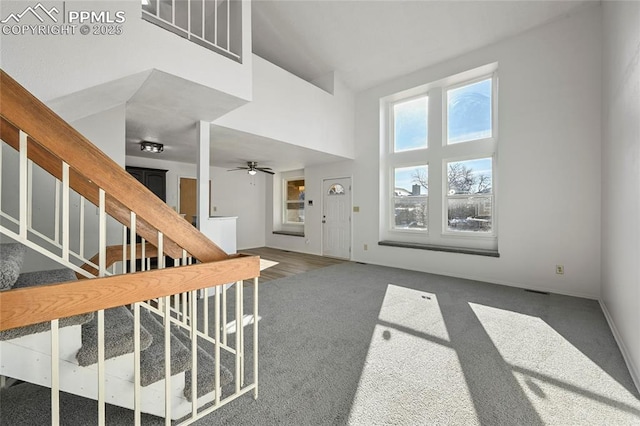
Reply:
x=365, y=41
x=370, y=41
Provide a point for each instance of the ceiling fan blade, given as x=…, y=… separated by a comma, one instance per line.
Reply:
x=238, y=168
x=265, y=170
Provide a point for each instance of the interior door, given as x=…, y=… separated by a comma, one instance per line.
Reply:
x=188, y=198
x=336, y=218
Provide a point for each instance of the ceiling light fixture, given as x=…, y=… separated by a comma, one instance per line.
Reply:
x=252, y=172
x=151, y=147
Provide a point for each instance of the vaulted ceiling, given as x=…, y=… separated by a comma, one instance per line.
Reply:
x=371, y=41
x=365, y=42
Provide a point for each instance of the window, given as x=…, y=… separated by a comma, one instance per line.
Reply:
x=440, y=179
x=336, y=189
x=410, y=124
x=410, y=197
x=469, y=112
x=294, y=201
x=469, y=195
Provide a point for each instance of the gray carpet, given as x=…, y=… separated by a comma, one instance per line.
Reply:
x=118, y=336
x=11, y=258
x=152, y=359
x=368, y=345
x=206, y=367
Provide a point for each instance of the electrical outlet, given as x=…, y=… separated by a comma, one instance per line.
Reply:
x=366, y=247
x=560, y=269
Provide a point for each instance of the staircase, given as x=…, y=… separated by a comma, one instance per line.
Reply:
x=154, y=341
x=30, y=352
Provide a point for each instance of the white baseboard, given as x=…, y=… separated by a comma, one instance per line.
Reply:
x=635, y=374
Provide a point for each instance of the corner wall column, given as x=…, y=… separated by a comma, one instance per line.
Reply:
x=203, y=168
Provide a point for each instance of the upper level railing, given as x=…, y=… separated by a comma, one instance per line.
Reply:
x=214, y=24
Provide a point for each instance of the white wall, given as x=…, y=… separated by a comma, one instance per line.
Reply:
x=620, y=177
x=289, y=109
x=239, y=194
x=106, y=130
x=233, y=194
x=549, y=162
x=59, y=65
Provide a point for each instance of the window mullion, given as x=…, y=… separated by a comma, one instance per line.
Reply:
x=436, y=138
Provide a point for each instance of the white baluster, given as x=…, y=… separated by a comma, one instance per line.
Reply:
x=23, y=222
x=167, y=360
x=132, y=244
x=65, y=212
x=194, y=353
x=255, y=337
x=55, y=373
x=137, y=397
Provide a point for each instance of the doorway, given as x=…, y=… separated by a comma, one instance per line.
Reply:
x=336, y=218
x=189, y=199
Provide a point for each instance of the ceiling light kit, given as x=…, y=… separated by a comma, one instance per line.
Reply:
x=154, y=147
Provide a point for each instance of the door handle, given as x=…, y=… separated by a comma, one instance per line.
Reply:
x=324, y=221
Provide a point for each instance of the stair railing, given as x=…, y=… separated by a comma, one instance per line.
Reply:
x=50, y=153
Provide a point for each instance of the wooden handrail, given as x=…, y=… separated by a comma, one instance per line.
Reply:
x=24, y=111
x=49, y=163
x=114, y=254
x=26, y=306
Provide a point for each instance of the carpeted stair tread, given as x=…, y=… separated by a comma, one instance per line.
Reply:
x=33, y=279
x=11, y=259
x=206, y=366
x=152, y=359
x=118, y=328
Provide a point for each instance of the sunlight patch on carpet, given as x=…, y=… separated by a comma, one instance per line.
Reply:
x=411, y=374
x=552, y=371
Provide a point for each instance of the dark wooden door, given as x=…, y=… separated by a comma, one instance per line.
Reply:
x=156, y=181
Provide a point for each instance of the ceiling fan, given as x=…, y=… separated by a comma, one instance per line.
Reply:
x=252, y=168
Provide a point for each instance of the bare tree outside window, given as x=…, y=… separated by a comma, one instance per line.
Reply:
x=469, y=197
x=420, y=177
x=465, y=180
x=410, y=198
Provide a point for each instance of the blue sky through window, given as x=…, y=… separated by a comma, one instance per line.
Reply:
x=410, y=124
x=469, y=112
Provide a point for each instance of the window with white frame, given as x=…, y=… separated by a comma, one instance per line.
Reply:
x=410, y=197
x=440, y=155
x=293, y=201
x=469, y=197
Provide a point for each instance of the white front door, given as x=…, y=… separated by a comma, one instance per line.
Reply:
x=336, y=218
